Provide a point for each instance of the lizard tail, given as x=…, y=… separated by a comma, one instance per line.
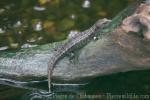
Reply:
x=49, y=79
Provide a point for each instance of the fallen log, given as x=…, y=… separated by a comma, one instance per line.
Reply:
x=122, y=46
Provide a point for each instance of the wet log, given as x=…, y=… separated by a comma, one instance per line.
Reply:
x=122, y=46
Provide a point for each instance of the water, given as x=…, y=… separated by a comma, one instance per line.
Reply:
x=26, y=23
x=133, y=85
x=44, y=21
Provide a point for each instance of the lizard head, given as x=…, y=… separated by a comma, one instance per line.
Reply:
x=101, y=23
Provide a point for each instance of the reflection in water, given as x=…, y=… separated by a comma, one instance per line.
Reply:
x=3, y=48
x=86, y=4
x=2, y=31
x=17, y=24
x=37, y=8
x=72, y=16
x=132, y=83
x=38, y=26
x=25, y=85
x=37, y=95
x=37, y=89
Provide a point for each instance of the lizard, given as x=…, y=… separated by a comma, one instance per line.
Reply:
x=72, y=42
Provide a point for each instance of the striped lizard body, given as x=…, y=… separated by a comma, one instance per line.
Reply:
x=78, y=39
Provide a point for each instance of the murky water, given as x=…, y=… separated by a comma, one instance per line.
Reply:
x=131, y=85
x=26, y=23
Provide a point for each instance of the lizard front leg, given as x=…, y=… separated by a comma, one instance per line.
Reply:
x=78, y=39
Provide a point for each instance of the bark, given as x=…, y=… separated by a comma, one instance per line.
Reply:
x=122, y=46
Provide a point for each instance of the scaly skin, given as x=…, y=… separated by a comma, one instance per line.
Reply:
x=78, y=39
